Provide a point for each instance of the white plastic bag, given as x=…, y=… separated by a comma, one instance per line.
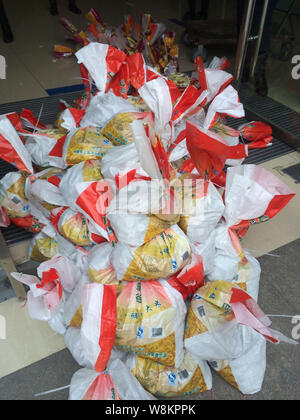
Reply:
x=82, y=172
x=136, y=229
x=46, y=147
x=71, y=118
x=245, y=272
x=86, y=192
x=192, y=377
x=212, y=333
x=44, y=195
x=102, y=62
x=45, y=298
x=253, y=195
x=12, y=195
x=74, y=227
x=161, y=257
x=247, y=372
x=100, y=269
x=73, y=306
x=142, y=197
x=223, y=322
x=85, y=143
x=42, y=247
x=207, y=250
x=202, y=213
x=102, y=108
x=156, y=94
x=65, y=268
x=115, y=383
x=120, y=159
x=73, y=342
x=12, y=148
x=45, y=192
x=227, y=103
x=217, y=80
x=150, y=321
x=92, y=200
x=119, y=129
x=99, y=309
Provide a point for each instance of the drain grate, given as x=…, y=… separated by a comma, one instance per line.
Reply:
x=50, y=106
x=13, y=234
x=273, y=111
x=293, y=172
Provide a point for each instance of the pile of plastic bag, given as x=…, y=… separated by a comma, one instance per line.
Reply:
x=147, y=37
x=139, y=199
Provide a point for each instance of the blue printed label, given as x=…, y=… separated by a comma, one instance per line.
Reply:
x=140, y=333
x=172, y=378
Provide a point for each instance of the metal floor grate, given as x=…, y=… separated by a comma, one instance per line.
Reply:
x=273, y=111
x=282, y=115
x=50, y=108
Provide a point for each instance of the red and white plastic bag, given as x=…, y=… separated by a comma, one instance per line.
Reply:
x=201, y=213
x=46, y=148
x=257, y=133
x=253, y=195
x=12, y=148
x=45, y=297
x=115, y=383
x=72, y=118
x=87, y=171
x=223, y=322
x=209, y=152
x=99, y=309
x=100, y=269
x=102, y=61
x=217, y=80
x=103, y=107
x=228, y=103
x=155, y=327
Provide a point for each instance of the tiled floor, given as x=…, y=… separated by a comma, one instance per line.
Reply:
x=32, y=69
x=27, y=340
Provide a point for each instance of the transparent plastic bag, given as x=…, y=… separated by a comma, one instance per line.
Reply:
x=190, y=378
x=150, y=322
x=161, y=257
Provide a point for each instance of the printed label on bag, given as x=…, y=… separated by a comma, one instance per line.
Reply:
x=16, y=200
x=140, y=333
x=156, y=332
x=183, y=376
x=186, y=255
x=201, y=311
x=172, y=379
